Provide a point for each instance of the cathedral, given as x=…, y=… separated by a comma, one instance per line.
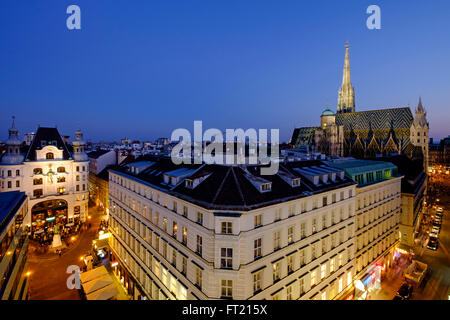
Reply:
x=366, y=134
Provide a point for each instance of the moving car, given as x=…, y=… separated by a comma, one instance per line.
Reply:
x=432, y=243
x=405, y=291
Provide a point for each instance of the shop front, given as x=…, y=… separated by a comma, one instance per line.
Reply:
x=125, y=278
x=46, y=215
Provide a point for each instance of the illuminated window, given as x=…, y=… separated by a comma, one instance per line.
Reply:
x=323, y=270
x=276, y=240
x=332, y=265
x=257, y=282
x=289, y=293
x=174, y=229
x=49, y=155
x=198, y=277
x=290, y=264
x=349, y=278
x=184, y=240
x=276, y=271
x=258, y=220
x=340, y=283
x=313, y=278
x=290, y=235
x=199, y=245
x=323, y=296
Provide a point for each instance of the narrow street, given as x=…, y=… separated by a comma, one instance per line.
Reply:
x=48, y=270
x=437, y=285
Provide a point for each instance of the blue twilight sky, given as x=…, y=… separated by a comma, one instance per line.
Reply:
x=140, y=69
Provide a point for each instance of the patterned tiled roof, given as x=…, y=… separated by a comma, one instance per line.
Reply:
x=378, y=123
x=303, y=136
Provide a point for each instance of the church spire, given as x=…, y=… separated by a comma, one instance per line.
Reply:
x=346, y=96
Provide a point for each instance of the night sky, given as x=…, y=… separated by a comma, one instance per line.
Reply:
x=141, y=69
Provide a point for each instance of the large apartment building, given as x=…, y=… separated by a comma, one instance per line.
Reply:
x=377, y=217
x=13, y=246
x=226, y=232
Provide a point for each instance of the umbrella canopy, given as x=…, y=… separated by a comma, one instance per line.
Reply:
x=105, y=293
x=92, y=274
x=97, y=283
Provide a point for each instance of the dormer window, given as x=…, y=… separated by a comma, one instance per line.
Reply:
x=189, y=184
x=49, y=156
x=296, y=182
x=266, y=187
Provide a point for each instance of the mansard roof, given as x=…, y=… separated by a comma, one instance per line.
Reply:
x=229, y=187
x=43, y=136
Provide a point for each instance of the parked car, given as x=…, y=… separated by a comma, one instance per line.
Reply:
x=432, y=243
x=405, y=291
x=435, y=230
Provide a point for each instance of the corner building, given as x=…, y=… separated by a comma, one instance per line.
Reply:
x=225, y=232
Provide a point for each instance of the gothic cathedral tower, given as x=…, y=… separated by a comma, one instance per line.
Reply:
x=346, y=97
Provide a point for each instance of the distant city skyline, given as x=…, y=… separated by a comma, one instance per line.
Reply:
x=154, y=67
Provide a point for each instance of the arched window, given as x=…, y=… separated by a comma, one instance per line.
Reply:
x=49, y=155
x=61, y=169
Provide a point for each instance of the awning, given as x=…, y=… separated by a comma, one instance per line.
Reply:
x=97, y=283
x=105, y=293
x=92, y=274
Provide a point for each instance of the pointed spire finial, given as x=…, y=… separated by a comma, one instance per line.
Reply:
x=420, y=106
x=13, y=118
x=346, y=96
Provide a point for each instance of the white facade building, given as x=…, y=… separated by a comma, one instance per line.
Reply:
x=218, y=232
x=54, y=179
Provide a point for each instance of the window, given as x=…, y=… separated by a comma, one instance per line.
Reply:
x=349, y=278
x=174, y=229
x=185, y=211
x=323, y=271
x=276, y=240
x=165, y=249
x=324, y=245
x=290, y=235
x=37, y=171
x=277, y=214
x=157, y=218
x=340, y=285
x=17, y=184
x=17, y=173
x=257, y=252
x=302, y=257
x=61, y=179
x=78, y=178
x=198, y=277
x=49, y=156
x=291, y=210
x=184, y=240
x=9, y=173
x=61, y=169
x=199, y=245
x=324, y=221
x=301, y=286
x=227, y=288
x=379, y=175
x=199, y=217
x=303, y=230
x=290, y=264
x=276, y=271
x=257, y=282
x=313, y=251
x=258, y=220
x=227, y=227
x=36, y=192
x=184, y=265
x=313, y=278
x=175, y=206
x=359, y=178
x=226, y=258
x=9, y=184
x=164, y=222
x=323, y=295
x=369, y=177
x=333, y=198
x=340, y=259
x=332, y=265
x=289, y=293
x=324, y=201
x=37, y=181
x=314, y=225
